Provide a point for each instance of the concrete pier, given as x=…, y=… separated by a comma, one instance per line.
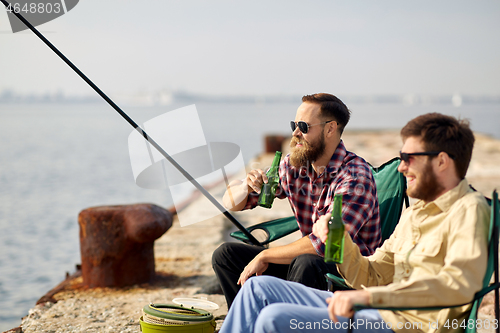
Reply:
x=183, y=254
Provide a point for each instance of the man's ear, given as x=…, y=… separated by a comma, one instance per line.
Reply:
x=444, y=161
x=331, y=129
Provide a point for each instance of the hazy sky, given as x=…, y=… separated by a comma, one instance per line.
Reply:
x=262, y=47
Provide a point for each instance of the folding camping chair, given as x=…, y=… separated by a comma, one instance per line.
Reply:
x=391, y=193
x=492, y=269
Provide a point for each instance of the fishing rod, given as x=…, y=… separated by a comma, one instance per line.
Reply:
x=193, y=181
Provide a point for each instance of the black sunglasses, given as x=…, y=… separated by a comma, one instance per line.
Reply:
x=303, y=126
x=405, y=157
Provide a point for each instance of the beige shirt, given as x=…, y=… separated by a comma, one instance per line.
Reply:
x=436, y=256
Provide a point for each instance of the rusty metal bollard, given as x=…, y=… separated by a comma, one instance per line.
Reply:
x=116, y=243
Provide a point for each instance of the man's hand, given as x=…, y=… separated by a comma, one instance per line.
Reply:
x=320, y=228
x=236, y=195
x=257, y=266
x=255, y=179
x=342, y=302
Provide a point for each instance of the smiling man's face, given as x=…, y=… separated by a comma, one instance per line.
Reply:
x=419, y=172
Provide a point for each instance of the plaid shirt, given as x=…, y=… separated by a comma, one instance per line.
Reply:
x=311, y=196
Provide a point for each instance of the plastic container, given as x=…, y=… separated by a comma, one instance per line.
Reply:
x=173, y=318
x=208, y=327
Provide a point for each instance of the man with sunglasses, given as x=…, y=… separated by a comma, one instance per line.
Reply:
x=437, y=255
x=317, y=168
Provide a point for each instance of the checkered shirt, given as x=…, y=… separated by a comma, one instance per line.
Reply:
x=311, y=196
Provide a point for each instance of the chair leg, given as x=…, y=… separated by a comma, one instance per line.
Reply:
x=497, y=310
x=497, y=305
x=495, y=273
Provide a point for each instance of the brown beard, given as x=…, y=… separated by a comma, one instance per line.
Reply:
x=427, y=188
x=300, y=157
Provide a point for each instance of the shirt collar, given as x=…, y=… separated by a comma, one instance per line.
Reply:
x=337, y=158
x=445, y=201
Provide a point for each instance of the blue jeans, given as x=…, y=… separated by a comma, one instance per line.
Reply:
x=267, y=304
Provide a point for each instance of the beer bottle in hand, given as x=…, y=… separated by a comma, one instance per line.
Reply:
x=268, y=191
x=334, y=247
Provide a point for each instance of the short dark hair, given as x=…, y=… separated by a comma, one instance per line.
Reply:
x=440, y=132
x=331, y=107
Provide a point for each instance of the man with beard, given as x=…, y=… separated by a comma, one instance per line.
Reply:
x=437, y=256
x=318, y=167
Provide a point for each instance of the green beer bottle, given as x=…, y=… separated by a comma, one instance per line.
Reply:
x=334, y=247
x=268, y=191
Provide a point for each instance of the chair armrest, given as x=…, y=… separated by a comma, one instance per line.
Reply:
x=336, y=283
x=274, y=229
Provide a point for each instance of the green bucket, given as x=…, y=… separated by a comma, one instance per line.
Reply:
x=172, y=318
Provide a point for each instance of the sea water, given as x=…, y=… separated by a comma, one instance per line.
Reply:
x=58, y=159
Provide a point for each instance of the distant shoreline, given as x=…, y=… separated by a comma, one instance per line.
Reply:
x=165, y=97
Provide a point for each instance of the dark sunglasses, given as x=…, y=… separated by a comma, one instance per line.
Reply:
x=405, y=157
x=303, y=126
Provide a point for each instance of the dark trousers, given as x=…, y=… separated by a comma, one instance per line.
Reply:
x=229, y=260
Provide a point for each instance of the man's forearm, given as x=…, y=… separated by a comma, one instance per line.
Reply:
x=277, y=255
x=236, y=196
x=285, y=254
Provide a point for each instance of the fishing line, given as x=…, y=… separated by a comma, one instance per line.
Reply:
x=135, y=126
